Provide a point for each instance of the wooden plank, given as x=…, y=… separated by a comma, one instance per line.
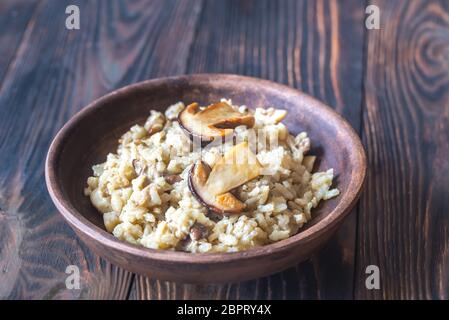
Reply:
x=316, y=46
x=56, y=73
x=15, y=17
x=403, y=218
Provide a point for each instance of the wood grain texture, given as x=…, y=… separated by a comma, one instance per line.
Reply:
x=15, y=20
x=403, y=218
x=316, y=46
x=56, y=72
x=47, y=73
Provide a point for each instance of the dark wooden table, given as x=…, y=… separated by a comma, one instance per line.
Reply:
x=392, y=84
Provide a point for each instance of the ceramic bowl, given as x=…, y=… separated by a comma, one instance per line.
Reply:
x=92, y=133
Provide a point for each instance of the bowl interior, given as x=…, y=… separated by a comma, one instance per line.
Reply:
x=93, y=133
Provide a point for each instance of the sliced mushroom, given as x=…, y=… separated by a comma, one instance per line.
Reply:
x=183, y=244
x=173, y=178
x=214, y=216
x=236, y=167
x=198, y=231
x=216, y=120
x=212, y=187
x=223, y=204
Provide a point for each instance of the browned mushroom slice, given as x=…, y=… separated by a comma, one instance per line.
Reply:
x=236, y=167
x=172, y=178
x=211, y=186
x=224, y=204
x=216, y=120
x=198, y=231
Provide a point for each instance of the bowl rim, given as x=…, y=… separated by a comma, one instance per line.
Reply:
x=89, y=229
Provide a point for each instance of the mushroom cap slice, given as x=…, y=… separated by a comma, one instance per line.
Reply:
x=216, y=120
x=212, y=186
x=224, y=204
x=236, y=167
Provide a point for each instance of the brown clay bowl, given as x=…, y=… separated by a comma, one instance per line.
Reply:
x=93, y=132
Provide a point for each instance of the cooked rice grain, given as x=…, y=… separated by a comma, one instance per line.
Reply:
x=142, y=205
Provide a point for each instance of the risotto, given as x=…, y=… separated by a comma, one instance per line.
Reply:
x=220, y=178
